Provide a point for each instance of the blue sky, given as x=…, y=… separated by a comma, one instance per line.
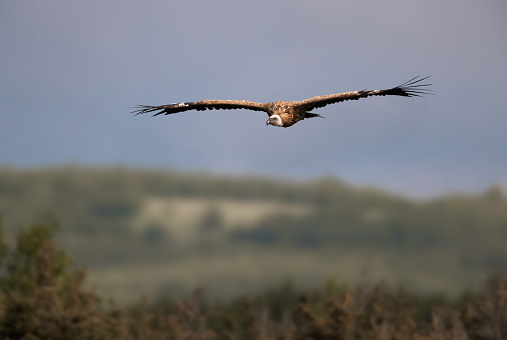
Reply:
x=71, y=71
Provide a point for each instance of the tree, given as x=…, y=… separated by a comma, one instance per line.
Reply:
x=42, y=298
x=21, y=266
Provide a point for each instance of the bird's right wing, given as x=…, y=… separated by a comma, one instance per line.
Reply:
x=411, y=88
x=200, y=106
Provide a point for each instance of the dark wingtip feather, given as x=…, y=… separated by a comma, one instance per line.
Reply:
x=414, y=88
x=142, y=109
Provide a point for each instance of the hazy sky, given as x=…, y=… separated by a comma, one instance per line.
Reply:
x=70, y=71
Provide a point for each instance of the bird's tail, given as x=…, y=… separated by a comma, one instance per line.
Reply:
x=312, y=115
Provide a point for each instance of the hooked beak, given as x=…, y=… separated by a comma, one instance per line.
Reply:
x=267, y=122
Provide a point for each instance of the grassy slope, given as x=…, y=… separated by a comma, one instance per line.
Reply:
x=164, y=233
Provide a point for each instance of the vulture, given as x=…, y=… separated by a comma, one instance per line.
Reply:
x=288, y=113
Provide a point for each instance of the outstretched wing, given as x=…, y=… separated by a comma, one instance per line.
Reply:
x=200, y=106
x=411, y=88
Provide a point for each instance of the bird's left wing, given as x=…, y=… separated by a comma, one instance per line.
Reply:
x=411, y=88
x=200, y=106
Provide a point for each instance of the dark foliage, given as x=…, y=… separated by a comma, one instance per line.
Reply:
x=42, y=298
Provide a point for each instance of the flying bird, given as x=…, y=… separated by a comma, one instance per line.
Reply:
x=288, y=113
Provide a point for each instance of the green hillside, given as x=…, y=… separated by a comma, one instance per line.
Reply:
x=160, y=233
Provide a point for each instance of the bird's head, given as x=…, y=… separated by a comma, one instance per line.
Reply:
x=274, y=120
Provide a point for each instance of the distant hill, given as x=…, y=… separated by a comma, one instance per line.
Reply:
x=162, y=233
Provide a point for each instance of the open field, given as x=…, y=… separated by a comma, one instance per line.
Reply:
x=42, y=298
x=162, y=234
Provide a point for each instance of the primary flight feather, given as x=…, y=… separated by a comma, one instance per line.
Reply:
x=288, y=113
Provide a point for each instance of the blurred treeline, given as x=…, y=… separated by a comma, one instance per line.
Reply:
x=42, y=298
x=163, y=233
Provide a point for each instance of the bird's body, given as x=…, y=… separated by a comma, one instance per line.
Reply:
x=288, y=113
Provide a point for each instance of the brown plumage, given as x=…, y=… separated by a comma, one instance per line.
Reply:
x=288, y=113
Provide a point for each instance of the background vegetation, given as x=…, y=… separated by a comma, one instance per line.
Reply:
x=41, y=298
x=162, y=234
